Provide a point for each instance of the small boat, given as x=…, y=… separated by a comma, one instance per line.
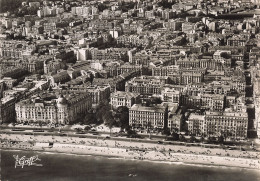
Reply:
x=132, y=175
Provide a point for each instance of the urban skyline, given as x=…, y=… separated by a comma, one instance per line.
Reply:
x=171, y=75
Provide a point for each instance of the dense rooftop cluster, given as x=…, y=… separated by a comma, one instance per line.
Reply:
x=183, y=66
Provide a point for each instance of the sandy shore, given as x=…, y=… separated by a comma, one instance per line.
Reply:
x=156, y=156
x=141, y=151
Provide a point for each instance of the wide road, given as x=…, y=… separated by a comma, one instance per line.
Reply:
x=105, y=135
x=71, y=131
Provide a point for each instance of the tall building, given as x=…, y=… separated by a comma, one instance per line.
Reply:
x=120, y=98
x=16, y=49
x=49, y=108
x=230, y=124
x=214, y=102
x=146, y=85
x=175, y=118
x=98, y=93
x=151, y=117
x=196, y=124
x=170, y=95
x=7, y=111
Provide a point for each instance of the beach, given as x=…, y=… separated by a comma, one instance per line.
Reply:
x=135, y=150
x=68, y=167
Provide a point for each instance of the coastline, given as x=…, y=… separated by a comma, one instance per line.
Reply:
x=163, y=160
x=133, y=150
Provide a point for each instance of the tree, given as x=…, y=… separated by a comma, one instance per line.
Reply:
x=202, y=139
x=132, y=134
x=156, y=100
x=221, y=139
x=166, y=131
x=78, y=130
x=90, y=119
x=80, y=118
x=122, y=117
x=182, y=138
x=210, y=139
x=175, y=136
x=148, y=103
x=192, y=139
x=40, y=124
x=108, y=119
x=122, y=109
x=101, y=109
x=102, y=7
x=87, y=128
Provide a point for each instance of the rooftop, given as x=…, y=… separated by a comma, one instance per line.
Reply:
x=194, y=116
x=153, y=108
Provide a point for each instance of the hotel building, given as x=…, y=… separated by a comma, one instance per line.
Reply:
x=148, y=117
x=50, y=108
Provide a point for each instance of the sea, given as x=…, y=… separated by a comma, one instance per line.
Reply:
x=69, y=167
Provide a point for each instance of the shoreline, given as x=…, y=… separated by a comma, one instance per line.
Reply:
x=123, y=158
x=133, y=150
x=163, y=161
